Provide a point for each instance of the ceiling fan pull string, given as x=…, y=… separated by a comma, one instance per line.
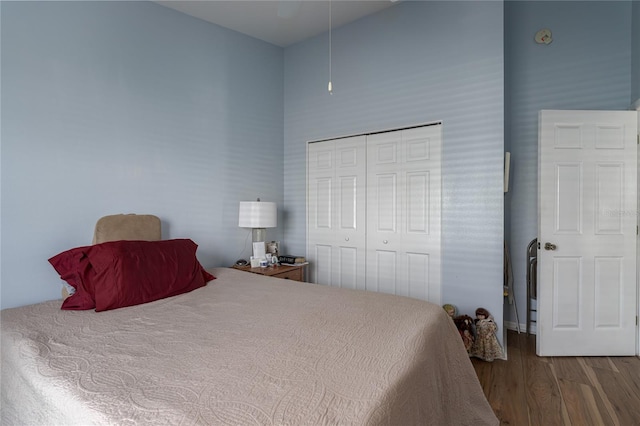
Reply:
x=330, y=85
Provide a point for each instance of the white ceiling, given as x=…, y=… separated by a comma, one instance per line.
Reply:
x=283, y=22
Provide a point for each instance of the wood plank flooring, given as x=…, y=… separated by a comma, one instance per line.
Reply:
x=577, y=391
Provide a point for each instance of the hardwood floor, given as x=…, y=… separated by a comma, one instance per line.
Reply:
x=531, y=390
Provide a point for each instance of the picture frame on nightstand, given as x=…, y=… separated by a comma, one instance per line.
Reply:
x=273, y=247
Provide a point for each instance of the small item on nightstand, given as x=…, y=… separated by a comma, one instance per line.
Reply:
x=264, y=263
x=273, y=247
x=292, y=260
x=255, y=262
x=241, y=262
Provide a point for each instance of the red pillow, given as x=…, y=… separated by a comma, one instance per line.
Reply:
x=74, y=267
x=133, y=272
x=125, y=273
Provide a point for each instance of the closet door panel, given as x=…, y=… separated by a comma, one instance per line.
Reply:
x=320, y=190
x=418, y=276
x=320, y=213
x=385, y=264
x=350, y=214
x=403, y=207
x=336, y=212
x=322, y=264
x=323, y=204
x=385, y=202
x=374, y=212
x=347, y=204
x=422, y=217
x=417, y=204
x=348, y=267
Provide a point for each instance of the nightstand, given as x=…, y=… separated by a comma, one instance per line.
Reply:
x=287, y=272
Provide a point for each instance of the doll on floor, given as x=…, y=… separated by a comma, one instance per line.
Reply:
x=486, y=345
x=464, y=324
x=450, y=310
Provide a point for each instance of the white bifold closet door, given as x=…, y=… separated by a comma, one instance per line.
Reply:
x=373, y=206
x=336, y=212
x=403, y=212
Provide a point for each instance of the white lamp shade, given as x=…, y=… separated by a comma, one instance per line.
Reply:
x=257, y=214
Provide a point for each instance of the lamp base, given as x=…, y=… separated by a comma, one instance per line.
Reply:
x=259, y=234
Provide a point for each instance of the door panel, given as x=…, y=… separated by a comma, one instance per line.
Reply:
x=323, y=203
x=609, y=197
x=567, y=286
x=386, y=264
x=336, y=212
x=569, y=198
x=418, y=202
x=374, y=212
x=608, y=289
x=587, y=204
x=323, y=263
x=347, y=266
x=418, y=273
x=403, y=199
x=347, y=205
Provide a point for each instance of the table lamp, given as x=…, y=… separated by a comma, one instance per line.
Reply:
x=258, y=215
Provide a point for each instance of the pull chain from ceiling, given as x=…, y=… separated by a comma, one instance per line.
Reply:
x=330, y=86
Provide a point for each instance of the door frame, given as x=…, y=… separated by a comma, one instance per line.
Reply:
x=637, y=108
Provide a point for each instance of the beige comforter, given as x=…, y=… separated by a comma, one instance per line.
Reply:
x=245, y=349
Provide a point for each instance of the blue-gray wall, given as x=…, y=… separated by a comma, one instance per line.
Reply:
x=112, y=107
x=587, y=66
x=119, y=107
x=635, y=48
x=413, y=63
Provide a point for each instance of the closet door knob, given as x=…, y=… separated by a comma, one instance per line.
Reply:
x=385, y=242
x=346, y=238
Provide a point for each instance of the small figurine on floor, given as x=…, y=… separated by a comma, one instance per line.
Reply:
x=464, y=324
x=486, y=345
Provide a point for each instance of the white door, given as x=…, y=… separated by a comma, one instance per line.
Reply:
x=587, y=201
x=336, y=212
x=403, y=212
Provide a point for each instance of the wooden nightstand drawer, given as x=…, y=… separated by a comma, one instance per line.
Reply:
x=287, y=272
x=294, y=274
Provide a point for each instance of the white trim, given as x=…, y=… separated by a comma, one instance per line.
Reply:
x=394, y=129
x=507, y=166
x=636, y=105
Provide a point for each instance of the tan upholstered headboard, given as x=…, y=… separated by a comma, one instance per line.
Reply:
x=116, y=227
x=144, y=227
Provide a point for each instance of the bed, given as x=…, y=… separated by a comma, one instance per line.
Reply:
x=242, y=349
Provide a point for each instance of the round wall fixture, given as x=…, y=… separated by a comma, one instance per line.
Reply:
x=543, y=36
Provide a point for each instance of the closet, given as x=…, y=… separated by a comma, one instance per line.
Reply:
x=373, y=212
